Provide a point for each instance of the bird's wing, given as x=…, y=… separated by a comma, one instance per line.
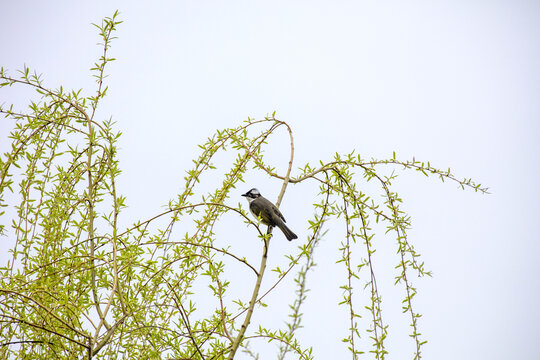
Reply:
x=278, y=213
x=267, y=211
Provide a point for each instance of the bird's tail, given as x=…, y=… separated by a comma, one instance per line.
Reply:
x=287, y=232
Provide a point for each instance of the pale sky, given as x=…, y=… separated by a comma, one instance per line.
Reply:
x=456, y=83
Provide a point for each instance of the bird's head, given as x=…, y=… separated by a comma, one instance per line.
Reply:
x=252, y=194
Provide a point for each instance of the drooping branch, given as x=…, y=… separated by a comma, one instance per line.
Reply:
x=264, y=257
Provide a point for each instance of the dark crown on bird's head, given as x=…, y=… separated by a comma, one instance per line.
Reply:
x=253, y=194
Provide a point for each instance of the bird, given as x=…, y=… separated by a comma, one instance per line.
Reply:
x=269, y=214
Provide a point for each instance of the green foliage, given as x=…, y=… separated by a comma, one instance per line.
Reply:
x=78, y=285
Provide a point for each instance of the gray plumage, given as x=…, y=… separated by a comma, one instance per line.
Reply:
x=268, y=212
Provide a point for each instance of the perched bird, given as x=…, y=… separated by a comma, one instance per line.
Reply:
x=268, y=212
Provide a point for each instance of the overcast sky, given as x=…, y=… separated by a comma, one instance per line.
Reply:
x=453, y=82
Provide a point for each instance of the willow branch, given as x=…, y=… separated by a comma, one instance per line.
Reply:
x=255, y=294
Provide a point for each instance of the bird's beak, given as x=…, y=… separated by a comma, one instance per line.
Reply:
x=244, y=194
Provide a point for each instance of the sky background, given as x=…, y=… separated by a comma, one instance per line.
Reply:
x=456, y=83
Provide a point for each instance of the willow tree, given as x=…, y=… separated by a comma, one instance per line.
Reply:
x=79, y=285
